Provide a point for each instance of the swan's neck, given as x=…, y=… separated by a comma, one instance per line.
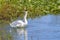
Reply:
x=25, y=17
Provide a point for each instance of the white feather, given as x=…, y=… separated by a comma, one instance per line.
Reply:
x=19, y=23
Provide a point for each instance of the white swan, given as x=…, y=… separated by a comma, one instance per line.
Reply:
x=20, y=23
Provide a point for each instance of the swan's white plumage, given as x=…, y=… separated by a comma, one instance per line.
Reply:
x=19, y=23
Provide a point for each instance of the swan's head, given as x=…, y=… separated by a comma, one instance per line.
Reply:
x=25, y=11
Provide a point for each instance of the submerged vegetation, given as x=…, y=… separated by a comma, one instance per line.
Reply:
x=11, y=9
x=4, y=33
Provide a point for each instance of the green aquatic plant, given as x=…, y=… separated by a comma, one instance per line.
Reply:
x=12, y=9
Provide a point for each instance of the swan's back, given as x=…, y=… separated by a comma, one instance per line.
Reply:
x=17, y=23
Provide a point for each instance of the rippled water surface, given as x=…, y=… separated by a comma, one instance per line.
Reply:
x=43, y=28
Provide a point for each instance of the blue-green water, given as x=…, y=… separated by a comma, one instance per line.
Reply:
x=43, y=28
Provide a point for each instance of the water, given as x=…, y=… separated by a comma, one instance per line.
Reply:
x=43, y=28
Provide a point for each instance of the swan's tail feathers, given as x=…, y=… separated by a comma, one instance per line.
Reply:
x=12, y=25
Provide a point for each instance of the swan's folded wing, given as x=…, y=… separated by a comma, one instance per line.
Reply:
x=16, y=23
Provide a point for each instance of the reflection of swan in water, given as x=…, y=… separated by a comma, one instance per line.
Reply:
x=19, y=23
x=22, y=32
